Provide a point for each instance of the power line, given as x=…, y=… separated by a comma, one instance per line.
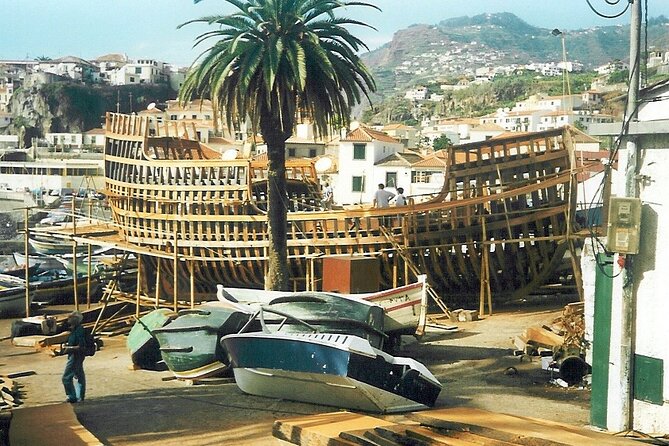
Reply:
x=611, y=3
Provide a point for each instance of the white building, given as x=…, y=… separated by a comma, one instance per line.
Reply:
x=73, y=67
x=109, y=64
x=6, y=92
x=359, y=152
x=142, y=71
x=5, y=119
x=417, y=94
x=630, y=354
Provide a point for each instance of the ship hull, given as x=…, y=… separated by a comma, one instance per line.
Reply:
x=503, y=216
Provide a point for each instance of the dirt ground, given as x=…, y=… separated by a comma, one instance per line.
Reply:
x=140, y=407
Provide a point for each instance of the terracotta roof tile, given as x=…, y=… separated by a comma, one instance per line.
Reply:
x=368, y=135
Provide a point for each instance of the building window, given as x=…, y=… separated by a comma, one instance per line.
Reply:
x=358, y=184
x=359, y=151
x=391, y=179
x=138, y=70
x=312, y=153
x=291, y=152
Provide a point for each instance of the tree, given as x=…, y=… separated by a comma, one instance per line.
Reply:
x=272, y=60
x=442, y=142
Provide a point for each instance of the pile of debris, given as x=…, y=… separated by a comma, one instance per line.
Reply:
x=10, y=394
x=10, y=397
x=561, y=345
x=48, y=332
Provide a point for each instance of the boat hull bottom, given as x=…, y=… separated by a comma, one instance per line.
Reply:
x=320, y=388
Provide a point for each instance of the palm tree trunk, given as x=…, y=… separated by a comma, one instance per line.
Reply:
x=277, y=211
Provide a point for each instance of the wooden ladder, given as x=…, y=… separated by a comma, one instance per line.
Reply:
x=404, y=253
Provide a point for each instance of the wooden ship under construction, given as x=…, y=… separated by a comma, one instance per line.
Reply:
x=502, y=220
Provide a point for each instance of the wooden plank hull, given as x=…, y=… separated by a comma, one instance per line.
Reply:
x=511, y=197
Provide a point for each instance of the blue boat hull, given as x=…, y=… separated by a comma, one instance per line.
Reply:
x=330, y=369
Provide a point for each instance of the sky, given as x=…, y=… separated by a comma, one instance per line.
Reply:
x=147, y=29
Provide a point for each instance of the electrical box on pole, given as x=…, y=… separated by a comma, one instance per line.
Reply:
x=622, y=235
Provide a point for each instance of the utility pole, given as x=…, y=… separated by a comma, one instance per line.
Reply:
x=628, y=304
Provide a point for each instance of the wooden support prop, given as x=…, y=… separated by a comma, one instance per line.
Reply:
x=27, y=265
x=175, y=278
x=158, y=263
x=89, y=254
x=576, y=266
x=191, y=271
x=74, y=257
x=139, y=282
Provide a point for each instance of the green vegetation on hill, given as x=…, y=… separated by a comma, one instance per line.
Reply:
x=461, y=45
x=476, y=100
x=64, y=107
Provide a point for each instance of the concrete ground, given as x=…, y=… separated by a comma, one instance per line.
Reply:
x=140, y=407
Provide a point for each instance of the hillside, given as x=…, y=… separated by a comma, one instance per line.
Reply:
x=63, y=107
x=458, y=46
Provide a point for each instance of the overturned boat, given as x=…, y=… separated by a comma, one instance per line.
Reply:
x=190, y=343
x=142, y=343
x=503, y=216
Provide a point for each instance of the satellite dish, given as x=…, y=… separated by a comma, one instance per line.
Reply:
x=151, y=106
x=229, y=154
x=323, y=164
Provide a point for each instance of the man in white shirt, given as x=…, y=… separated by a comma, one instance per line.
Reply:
x=382, y=197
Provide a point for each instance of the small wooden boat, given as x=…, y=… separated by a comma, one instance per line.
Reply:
x=12, y=297
x=142, y=344
x=56, y=287
x=332, y=369
x=20, y=271
x=404, y=307
x=49, y=246
x=45, y=262
x=189, y=344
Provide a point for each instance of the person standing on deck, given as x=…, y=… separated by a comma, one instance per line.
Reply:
x=400, y=199
x=74, y=368
x=382, y=199
x=328, y=196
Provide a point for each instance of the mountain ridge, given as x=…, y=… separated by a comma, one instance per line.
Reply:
x=449, y=47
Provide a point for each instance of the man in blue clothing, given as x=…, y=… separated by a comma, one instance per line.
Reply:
x=74, y=368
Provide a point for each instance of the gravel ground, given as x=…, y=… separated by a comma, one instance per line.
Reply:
x=139, y=407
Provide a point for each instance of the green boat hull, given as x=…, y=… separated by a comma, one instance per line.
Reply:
x=143, y=346
x=190, y=344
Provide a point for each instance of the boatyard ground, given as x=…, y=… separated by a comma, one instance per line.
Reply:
x=139, y=407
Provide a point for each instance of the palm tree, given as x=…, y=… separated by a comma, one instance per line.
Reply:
x=272, y=60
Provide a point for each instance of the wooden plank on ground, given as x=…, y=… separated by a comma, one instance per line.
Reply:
x=515, y=429
x=417, y=435
x=324, y=429
x=542, y=337
x=53, y=425
x=453, y=438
